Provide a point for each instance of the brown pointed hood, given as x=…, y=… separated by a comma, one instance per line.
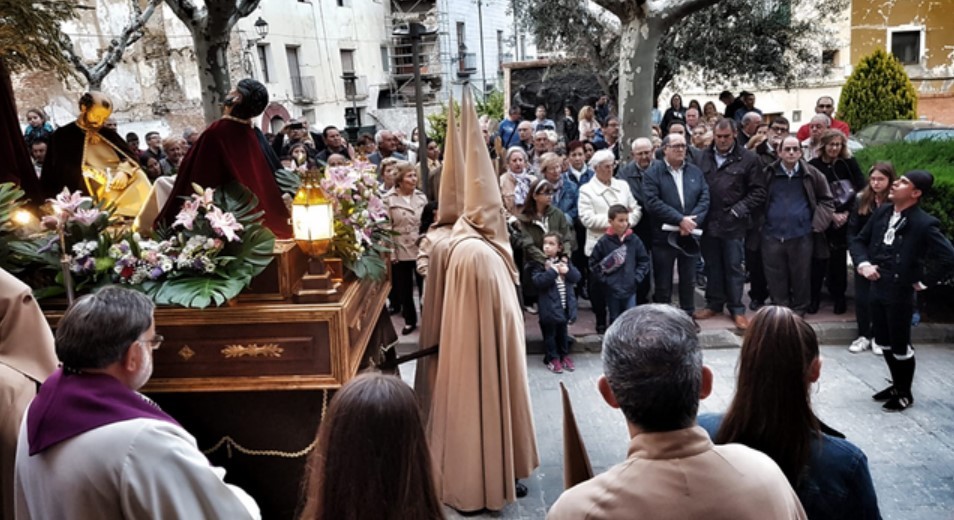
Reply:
x=576, y=462
x=483, y=210
x=451, y=195
x=26, y=342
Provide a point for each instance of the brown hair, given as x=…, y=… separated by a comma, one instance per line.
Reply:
x=867, y=198
x=771, y=411
x=372, y=459
x=530, y=204
x=829, y=136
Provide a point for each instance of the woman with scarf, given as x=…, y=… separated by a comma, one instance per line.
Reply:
x=515, y=182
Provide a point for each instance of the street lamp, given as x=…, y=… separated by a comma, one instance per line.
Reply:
x=416, y=32
x=261, y=29
x=352, y=119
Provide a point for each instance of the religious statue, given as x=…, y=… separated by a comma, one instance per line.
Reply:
x=88, y=157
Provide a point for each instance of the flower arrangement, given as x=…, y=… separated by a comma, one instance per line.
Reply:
x=362, y=236
x=211, y=252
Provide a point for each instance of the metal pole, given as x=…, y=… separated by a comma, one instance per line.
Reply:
x=483, y=68
x=516, y=35
x=416, y=30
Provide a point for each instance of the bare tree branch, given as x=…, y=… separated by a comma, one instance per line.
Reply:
x=95, y=73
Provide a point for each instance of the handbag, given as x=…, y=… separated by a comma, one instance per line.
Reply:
x=843, y=192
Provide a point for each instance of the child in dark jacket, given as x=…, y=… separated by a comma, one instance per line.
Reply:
x=620, y=262
x=554, y=281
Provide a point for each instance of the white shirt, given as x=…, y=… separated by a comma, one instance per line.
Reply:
x=677, y=178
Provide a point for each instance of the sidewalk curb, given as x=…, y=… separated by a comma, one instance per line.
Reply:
x=842, y=333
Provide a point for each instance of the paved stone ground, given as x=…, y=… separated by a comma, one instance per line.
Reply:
x=911, y=454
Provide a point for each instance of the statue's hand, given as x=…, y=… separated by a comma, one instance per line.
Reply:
x=119, y=181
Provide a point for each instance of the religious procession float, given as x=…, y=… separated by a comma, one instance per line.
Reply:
x=257, y=330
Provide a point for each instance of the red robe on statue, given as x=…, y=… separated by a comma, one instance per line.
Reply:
x=229, y=150
x=17, y=165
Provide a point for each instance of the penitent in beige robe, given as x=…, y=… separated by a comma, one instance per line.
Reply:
x=481, y=430
x=27, y=358
x=432, y=263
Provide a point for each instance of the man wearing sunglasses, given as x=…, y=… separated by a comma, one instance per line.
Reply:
x=798, y=207
x=824, y=105
x=92, y=446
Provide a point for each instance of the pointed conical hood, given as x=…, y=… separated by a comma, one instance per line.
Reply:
x=483, y=207
x=576, y=462
x=451, y=195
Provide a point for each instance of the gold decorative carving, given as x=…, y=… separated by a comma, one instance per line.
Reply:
x=186, y=353
x=268, y=350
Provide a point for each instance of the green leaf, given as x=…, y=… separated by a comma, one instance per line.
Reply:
x=198, y=293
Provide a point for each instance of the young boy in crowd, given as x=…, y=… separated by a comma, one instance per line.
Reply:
x=554, y=281
x=620, y=261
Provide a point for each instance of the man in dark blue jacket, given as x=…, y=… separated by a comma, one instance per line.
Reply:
x=737, y=192
x=677, y=197
x=901, y=250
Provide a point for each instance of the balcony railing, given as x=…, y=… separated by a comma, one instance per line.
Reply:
x=467, y=63
x=304, y=89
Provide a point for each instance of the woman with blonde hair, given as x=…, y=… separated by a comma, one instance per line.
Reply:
x=372, y=459
x=772, y=412
x=405, y=205
x=588, y=124
x=834, y=160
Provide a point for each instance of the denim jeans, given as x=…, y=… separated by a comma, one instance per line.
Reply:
x=618, y=306
x=726, y=277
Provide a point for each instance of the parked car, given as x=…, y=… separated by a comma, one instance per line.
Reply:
x=941, y=133
x=888, y=132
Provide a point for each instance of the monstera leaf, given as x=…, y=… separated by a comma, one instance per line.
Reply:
x=195, y=292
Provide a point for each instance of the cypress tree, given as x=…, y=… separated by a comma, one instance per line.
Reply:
x=878, y=90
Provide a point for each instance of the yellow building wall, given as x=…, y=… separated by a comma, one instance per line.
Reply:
x=870, y=20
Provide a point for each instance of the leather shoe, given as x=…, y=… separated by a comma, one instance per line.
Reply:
x=741, y=322
x=841, y=306
x=755, y=305
x=885, y=394
x=704, y=314
x=521, y=489
x=408, y=329
x=898, y=403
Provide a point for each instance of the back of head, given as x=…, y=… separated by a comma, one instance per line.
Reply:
x=372, y=459
x=653, y=364
x=771, y=410
x=98, y=328
x=254, y=99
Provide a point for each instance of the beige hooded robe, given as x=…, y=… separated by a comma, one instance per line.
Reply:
x=481, y=430
x=434, y=254
x=27, y=358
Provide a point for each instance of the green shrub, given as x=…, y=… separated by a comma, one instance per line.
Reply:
x=438, y=122
x=878, y=90
x=492, y=106
x=936, y=157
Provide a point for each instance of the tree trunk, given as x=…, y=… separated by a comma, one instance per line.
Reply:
x=212, y=55
x=639, y=39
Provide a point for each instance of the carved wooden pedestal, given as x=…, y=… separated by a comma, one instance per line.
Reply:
x=250, y=379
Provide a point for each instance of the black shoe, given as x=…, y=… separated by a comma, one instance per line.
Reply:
x=521, y=489
x=898, y=404
x=885, y=394
x=841, y=306
x=813, y=307
x=755, y=305
x=408, y=329
x=601, y=329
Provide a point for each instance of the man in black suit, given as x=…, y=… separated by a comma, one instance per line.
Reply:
x=676, y=195
x=737, y=189
x=901, y=250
